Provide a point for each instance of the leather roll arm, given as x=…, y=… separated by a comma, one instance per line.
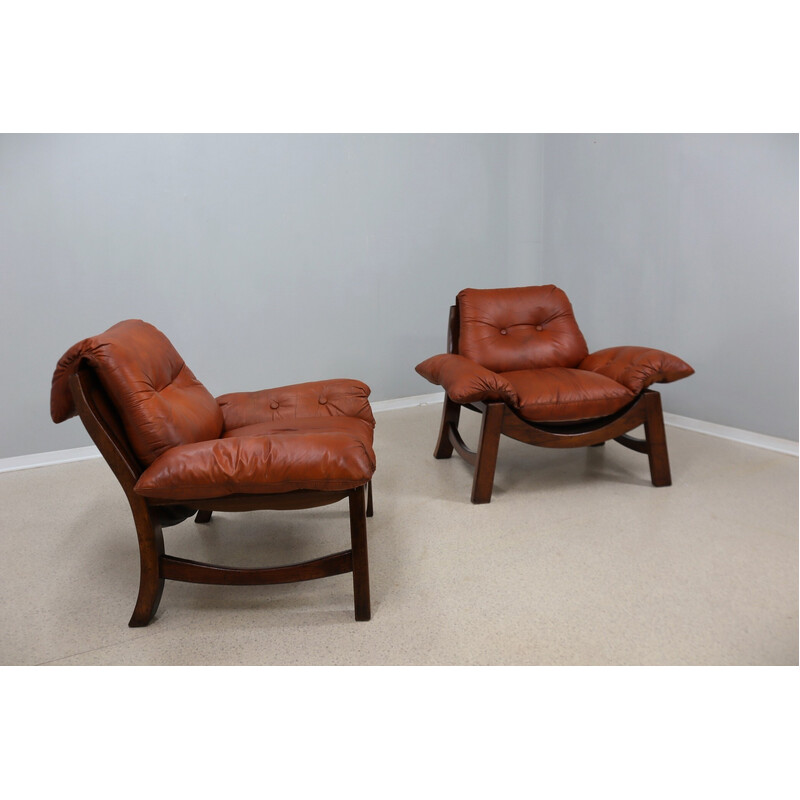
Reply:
x=466, y=381
x=636, y=367
x=338, y=397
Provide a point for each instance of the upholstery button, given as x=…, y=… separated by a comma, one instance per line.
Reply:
x=503, y=331
x=273, y=404
x=539, y=328
x=322, y=401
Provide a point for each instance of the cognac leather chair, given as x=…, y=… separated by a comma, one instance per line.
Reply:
x=517, y=357
x=179, y=452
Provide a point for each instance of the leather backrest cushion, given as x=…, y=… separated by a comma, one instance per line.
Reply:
x=158, y=398
x=521, y=328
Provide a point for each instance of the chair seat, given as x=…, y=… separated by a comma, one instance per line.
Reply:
x=558, y=394
x=353, y=426
x=324, y=454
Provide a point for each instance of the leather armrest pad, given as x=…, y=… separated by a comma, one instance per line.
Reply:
x=338, y=397
x=466, y=381
x=636, y=367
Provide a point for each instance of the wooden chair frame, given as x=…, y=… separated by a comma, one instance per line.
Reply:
x=150, y=516
x=499, y=418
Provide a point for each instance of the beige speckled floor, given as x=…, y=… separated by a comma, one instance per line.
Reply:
x=577, y=560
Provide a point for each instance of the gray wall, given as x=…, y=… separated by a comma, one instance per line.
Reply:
x=688, y=243
x=267, y=259
x=270, y=259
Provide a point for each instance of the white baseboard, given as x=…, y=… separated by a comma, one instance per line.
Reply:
x=49, y=458
x=787, y=446
x=408, y=402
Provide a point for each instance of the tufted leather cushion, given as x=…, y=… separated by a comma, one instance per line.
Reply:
x=306, y=458
x=524, y=328
x=464, y=380
x=159, y=400
x=557, y=394
x=637, y=367
x=352, y=426
x=325, y=399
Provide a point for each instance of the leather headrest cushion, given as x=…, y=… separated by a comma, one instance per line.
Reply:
x=159, y=400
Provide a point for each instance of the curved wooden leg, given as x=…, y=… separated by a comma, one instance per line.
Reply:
x=358, y=537
x=450, y=415
x=369, y=499
x=202, y=516
x=483, y=481
x=151, y=548
x=656, y=442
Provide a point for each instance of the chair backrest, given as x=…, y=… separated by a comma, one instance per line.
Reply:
x=102, y=421
x=159, y=401
x=530, y=327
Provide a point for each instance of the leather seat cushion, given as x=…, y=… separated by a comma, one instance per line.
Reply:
x=338, y=397
x=557, y=394
x=325, y=454
x=353, y=426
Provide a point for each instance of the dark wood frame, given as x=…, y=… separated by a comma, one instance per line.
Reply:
x=499, y=418
x=150, y=516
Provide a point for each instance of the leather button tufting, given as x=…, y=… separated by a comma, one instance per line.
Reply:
x=322, y=401
x=503, y=331
x=273, y=404
x=539, y=328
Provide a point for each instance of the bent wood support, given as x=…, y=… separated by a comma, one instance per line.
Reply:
x=151, y=551
x=157, y=566
x=105, y=429
x=188, y=571
x=491, y=427
x=654, y=445
x=632, y=443
x=498, y=418
x=657, y=442
x=360, y=560
x=451, y=413
x=369, y=499
x=458, y=444
x=285, y=501
x=583, y=434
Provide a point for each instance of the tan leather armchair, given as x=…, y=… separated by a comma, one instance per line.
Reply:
x=177, y=451
x=517, y=357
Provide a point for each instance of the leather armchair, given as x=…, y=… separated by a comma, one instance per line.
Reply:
x=518, y=357
x=177, y=452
